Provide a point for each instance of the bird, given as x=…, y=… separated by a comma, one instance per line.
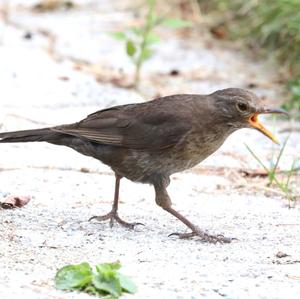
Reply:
x=148, y=142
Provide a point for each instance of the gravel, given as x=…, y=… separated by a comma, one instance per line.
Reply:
x=66, y=188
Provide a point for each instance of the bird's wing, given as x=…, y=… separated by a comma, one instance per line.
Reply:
x=130, y=126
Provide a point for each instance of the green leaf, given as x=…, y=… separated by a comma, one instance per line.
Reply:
x=101, y=268
x=152, y=38
x=105, y=281
x=146, y=54
x=118, y=35
x=176, y=23
x=130, y=48
x=127, y=284
x=108, y=270
x=73, y=276
x=111, y=286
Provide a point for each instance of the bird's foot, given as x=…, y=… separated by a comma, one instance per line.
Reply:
x=113, y=216
x=205, y=237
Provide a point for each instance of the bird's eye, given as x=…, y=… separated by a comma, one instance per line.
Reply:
x=242, y=106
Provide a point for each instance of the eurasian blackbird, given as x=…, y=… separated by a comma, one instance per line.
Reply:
x=147, y=142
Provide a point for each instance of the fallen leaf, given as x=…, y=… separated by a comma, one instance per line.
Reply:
x=281, y=254
x=219, y=31
x=12, y=202
x=84, y=170
x=52, y=5
x=174, y=72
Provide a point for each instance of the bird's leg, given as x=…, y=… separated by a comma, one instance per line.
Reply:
x=113, y=214
x=163, y=200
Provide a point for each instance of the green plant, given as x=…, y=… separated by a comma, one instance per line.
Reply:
x=293, y=87
x=270, y=24
x=139, y=41
x=105, y=281
x=272, y=169
x=275, y=26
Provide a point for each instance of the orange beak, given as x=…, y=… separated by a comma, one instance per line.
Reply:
x=256, y=124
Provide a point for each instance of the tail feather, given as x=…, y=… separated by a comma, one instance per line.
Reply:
x=45, y=134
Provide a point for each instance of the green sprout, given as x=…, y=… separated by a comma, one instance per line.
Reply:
x=272, y=171
x=139, y=40
x=293, y=87
x=104, y=281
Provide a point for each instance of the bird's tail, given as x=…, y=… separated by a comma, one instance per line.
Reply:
x=45, y=134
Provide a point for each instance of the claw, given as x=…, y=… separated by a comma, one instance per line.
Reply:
x=204, y=237
x=113, y=216
x=183, y=235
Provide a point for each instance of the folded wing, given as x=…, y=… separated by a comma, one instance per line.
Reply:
x=131, y=126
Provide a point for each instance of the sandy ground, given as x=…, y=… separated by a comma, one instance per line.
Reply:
x=44, y=88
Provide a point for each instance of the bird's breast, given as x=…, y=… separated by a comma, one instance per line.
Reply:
x=196, y=147
x=140, y=166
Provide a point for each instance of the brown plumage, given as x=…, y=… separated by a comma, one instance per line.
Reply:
x=148, y=142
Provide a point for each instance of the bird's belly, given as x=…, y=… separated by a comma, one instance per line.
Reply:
x=183, y=162
x=142, y=166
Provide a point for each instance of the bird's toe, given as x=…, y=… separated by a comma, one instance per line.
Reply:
x=112, y=217
x=204, y=237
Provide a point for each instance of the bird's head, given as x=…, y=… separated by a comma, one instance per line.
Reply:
x=240, y=108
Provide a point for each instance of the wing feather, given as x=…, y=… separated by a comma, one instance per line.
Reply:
x=131, y=126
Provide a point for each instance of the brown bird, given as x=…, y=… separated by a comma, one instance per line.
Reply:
x=148, y=142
